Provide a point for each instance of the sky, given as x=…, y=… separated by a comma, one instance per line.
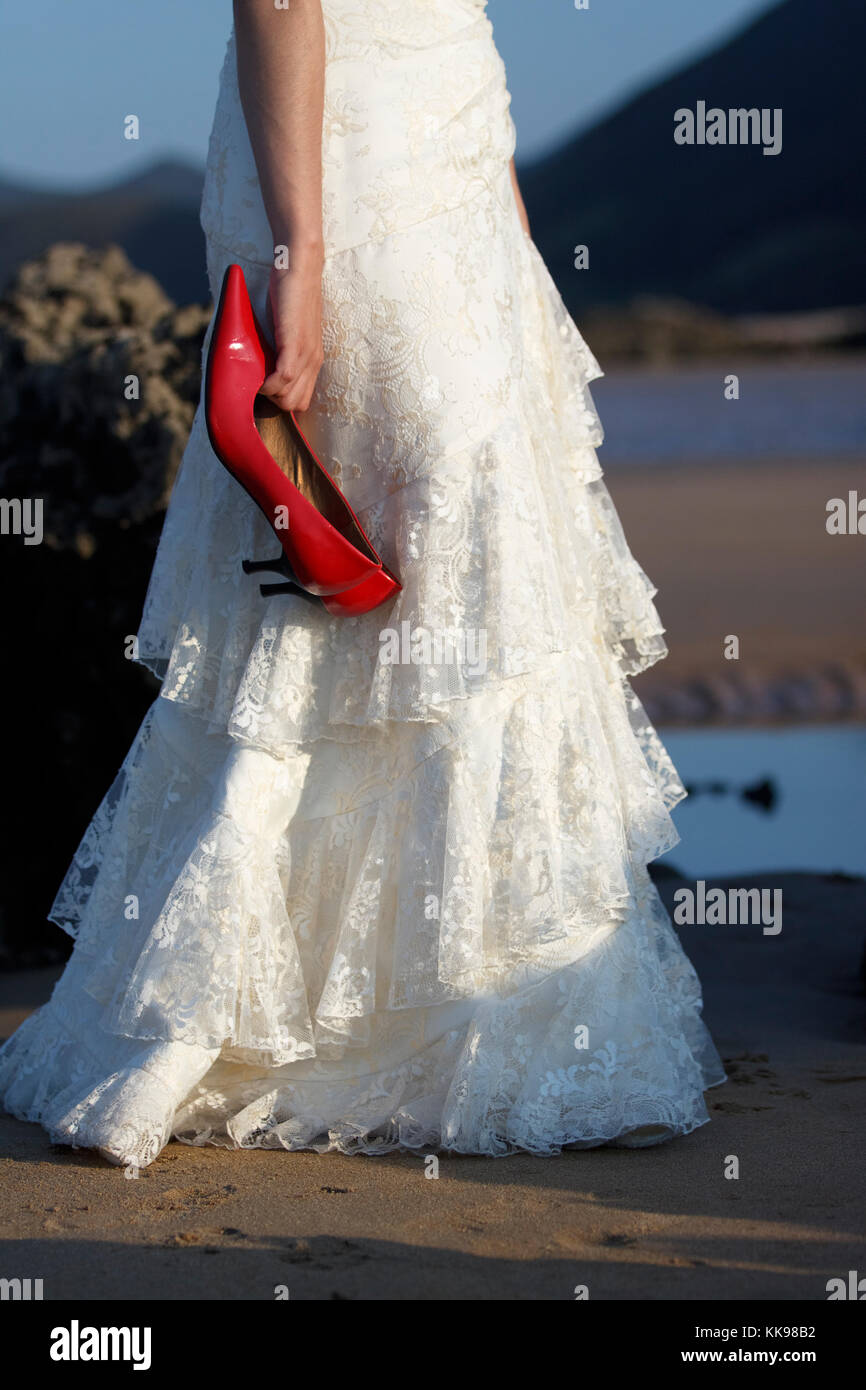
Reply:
x=69, y=73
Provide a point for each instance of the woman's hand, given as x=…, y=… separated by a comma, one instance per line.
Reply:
x=295, y=311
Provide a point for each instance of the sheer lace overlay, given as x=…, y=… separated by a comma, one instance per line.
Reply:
x=336, y=899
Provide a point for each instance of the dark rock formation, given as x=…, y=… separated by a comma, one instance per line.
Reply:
x=831, y=694
x=74, y=326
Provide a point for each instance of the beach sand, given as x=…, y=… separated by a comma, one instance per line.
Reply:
x=787, y=1013
x=742, y=549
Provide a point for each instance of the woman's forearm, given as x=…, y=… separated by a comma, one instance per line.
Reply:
x=281, y=77
x=518, y=198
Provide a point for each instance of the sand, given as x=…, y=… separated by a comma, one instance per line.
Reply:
x=788, y=1015
x=743, y=549
x=736, y=549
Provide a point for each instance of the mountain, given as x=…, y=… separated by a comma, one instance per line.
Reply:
x=153, y=216
x=725, y=226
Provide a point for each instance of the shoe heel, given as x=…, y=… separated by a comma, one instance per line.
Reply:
x=279, y=565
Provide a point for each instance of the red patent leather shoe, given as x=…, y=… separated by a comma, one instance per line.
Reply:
x=325, y=554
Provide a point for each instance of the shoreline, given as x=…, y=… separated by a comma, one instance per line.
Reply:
x=742, y=550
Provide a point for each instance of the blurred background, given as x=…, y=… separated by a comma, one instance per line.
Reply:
x=723, y=291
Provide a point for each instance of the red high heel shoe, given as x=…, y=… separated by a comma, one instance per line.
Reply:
x=325, y=554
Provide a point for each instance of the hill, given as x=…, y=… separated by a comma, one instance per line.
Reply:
x=723, y=226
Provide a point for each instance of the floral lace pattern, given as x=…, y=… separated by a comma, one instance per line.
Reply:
x=337, y=901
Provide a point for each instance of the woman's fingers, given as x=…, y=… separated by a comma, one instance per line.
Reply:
x=291, y=385
x=294, y=395
x=295, y=305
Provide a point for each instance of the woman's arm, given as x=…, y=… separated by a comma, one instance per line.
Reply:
x=518, y=198
x=281, y=78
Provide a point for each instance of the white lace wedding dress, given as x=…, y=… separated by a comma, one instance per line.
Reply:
x=337, y=901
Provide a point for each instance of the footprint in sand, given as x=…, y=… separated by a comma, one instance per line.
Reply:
x=192, y=1198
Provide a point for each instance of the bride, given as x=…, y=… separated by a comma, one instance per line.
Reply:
x=340, y=898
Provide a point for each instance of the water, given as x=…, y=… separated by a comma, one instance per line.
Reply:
x=813, y=410
x=818, y=823
x=785, y=411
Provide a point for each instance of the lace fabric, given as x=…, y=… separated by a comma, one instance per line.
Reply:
x=339, y=900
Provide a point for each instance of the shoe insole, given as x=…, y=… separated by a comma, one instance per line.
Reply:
x=293, y=457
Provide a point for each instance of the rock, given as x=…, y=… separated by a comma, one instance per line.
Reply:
x=825, y=694
x=75, y=324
